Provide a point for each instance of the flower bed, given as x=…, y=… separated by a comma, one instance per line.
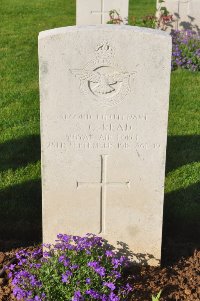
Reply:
x=186, y=50
x=75, y=268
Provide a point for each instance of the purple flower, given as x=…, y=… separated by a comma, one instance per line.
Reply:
x=61, y=258
x=128, y=288
x=116, y=274
x=116, y=262
x=12, y=267
x=110, y=285
x=93, y=264
x=113, y=297
x=77, y=296
x=93, y=293
x=101, y=271
x=109, y=253
x=65, y=276
x=98, y=269
x=74, y=266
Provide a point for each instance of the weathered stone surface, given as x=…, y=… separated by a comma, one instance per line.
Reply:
x=95, y=12
x=186, y=14
x=104, y=110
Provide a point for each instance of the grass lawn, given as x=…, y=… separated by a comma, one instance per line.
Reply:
x=20, y=185
x=141, y=8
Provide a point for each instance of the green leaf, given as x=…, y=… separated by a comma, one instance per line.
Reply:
x=157, y=297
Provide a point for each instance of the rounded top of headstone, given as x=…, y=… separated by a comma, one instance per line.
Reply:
x=108, y=27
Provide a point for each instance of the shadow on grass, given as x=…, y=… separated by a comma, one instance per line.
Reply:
x=181, y=222
x=18, y=153
x=182, y=150
x=20, y=215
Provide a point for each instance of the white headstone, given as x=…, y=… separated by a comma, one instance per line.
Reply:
x=95, y=12
x=104, y=110
x=186, y=13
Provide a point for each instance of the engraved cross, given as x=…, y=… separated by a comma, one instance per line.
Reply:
x=103, y=184
x=102, y=12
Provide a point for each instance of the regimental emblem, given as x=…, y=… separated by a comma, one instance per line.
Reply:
x=101, y=78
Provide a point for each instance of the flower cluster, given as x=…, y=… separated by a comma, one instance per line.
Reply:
x=115, y=17
x=164, y=18
x=75, y=268
x=149, y=21
x=186, y=50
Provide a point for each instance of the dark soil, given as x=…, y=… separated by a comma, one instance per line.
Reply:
x=180, y=281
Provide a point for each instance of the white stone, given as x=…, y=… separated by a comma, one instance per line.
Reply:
x=186, y=13
x=95, y=12
x=104, y=111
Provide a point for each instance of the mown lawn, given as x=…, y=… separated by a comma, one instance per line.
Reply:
x=20, y=185
x=141, y=8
